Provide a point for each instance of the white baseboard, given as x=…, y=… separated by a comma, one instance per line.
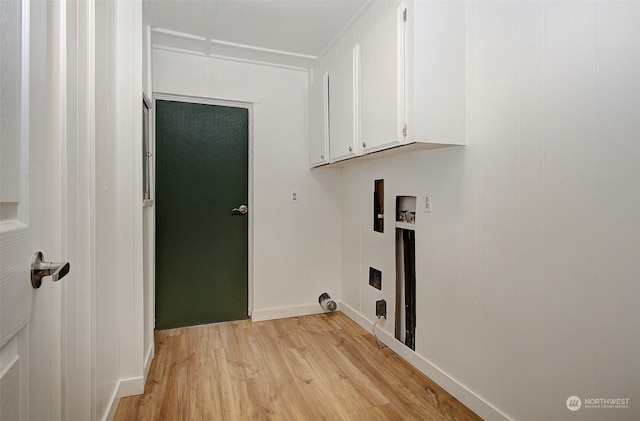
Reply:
x=284, y=312
x=148, y=359
x=129, y=387
x=474, y=402
x=126, y=387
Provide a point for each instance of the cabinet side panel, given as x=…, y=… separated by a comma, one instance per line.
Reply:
x=438, y=55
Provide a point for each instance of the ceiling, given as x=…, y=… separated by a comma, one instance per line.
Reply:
x=291, y=33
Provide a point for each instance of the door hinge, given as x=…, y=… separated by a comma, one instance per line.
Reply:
x=404, y=130
x=404, y=15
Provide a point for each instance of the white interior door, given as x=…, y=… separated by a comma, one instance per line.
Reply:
x=30, y=207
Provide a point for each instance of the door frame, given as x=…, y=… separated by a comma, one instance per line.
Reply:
x=163, y=96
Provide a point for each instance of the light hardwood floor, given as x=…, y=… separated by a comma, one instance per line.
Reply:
x=303, y=368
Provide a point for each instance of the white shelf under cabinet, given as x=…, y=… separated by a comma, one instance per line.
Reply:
x=385, y=153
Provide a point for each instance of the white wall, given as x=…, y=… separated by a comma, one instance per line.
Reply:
x=127, y=184
x=528, y=268
x=295, y=256
x=105, y=330
x=117, y=224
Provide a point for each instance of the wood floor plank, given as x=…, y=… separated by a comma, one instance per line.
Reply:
x=392, y=412
x=304, y=368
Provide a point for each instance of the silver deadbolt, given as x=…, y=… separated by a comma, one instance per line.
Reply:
x=240, y=210
x=40, y=269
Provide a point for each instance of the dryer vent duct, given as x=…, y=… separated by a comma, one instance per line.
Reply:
x=326, y=302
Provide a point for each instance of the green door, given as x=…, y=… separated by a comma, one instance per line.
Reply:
x=201, y=244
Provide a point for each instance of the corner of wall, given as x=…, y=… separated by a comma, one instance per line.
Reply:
x=126, y=387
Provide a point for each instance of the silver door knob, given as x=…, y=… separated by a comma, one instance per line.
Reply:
x=241, y=210
x=40, y=269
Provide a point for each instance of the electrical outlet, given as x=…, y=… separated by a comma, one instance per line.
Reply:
x=428, y=202
x=381, y=308
x=295, y=196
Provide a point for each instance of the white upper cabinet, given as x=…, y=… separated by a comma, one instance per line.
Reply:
x=318, y=117
x=382, y=82
x=436, y=73
x=343, y=104
x=396, y=81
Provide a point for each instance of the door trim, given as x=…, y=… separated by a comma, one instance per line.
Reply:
x=161, y=96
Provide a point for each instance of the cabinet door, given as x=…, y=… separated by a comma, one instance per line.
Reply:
x=382, y=83
x=343, y=105
x=318, y=119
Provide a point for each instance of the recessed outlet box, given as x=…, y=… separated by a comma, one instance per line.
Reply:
x=375, y=278
x=406, y=208
x=378, y=206
x=381, y=308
